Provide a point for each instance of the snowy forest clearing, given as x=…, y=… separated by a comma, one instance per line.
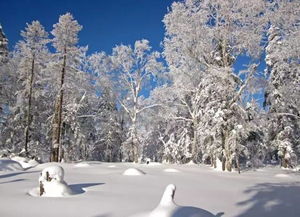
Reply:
x=102, y=191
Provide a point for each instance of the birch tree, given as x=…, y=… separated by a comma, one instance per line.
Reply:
x=135, y=69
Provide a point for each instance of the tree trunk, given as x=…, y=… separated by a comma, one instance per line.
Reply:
x=28, y=117
x=56, y=145
x=194, y=143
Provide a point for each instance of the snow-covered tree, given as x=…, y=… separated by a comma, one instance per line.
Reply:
x=135, y=68
x=3, y=46
x=32, y=52
x=67, y=60
x=203, y=40
x=282, y=94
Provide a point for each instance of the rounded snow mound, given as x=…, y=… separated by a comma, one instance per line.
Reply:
x=54, y=172
x=281, y=175
x=51, y=183
x=168, y=208
x=171, y=170
x=133, y=172
x=82, y=164
x=10, y=165
x=112, y=166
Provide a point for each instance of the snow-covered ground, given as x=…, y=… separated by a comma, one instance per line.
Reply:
x=102, y=190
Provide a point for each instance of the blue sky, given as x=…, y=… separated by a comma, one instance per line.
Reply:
x=106, y=23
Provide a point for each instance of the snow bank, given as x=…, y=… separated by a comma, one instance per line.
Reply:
x=25, y=162
x=52, y=183
x=168, y=208
x=133, y=172
x=171, y=170
x=10, y=165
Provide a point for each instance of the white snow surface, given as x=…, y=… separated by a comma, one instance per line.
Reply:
x=171, y=170
x=133, y=172
x=168, y=208
x=102, y=191
x=82, y=164
x=25, y=162
x=10, y=165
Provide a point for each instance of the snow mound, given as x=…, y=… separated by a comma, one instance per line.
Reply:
x=25, y=162
x=52, y=183
x=112, y=166
x=53, y=172
x=168, y=208
x=52, y=188
x=281, y=175
x=10, y=165
x=82, y=164
x=133, y=172
x=171, y=170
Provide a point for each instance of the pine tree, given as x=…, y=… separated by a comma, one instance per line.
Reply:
x=65, y=34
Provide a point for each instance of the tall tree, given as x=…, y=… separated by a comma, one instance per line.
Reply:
x=32, y=50
x=203, y=40
x=135, y=69
x=282, y=93
x=65, y=34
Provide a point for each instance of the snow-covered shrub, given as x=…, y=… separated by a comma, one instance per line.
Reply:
x=52, y=182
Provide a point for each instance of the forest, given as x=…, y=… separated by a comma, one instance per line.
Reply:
x=225, y=90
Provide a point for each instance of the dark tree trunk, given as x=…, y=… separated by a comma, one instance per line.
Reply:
x=28, y=116
x=56, y=134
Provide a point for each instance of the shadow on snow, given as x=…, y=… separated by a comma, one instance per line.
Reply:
x=273, y=200
x=81, y=188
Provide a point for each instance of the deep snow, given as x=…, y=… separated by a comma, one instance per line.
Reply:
x=101, y=190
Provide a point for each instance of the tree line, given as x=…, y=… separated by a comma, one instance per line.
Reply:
x=202, y=106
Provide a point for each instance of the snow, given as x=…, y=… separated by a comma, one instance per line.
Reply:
x=171, y=170
x=25, y=162
x=280, y=175
x=133, y=172
x=55, y=172
x=52, y=181
x=168, y=208
x=101, y=191
x=54, y=188
x=82, y=164
x=10, y=165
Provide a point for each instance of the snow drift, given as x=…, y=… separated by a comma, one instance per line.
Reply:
x=168, y=208
x=10, y=165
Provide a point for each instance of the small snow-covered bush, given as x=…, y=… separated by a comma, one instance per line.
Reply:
x=52, y=182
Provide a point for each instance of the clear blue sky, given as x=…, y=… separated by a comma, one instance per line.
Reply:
x=105, y=22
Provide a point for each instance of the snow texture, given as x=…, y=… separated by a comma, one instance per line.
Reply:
x=101, y=191
x=26, y=163
x=133, y=172
x=10, y=165
x=171, y=170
